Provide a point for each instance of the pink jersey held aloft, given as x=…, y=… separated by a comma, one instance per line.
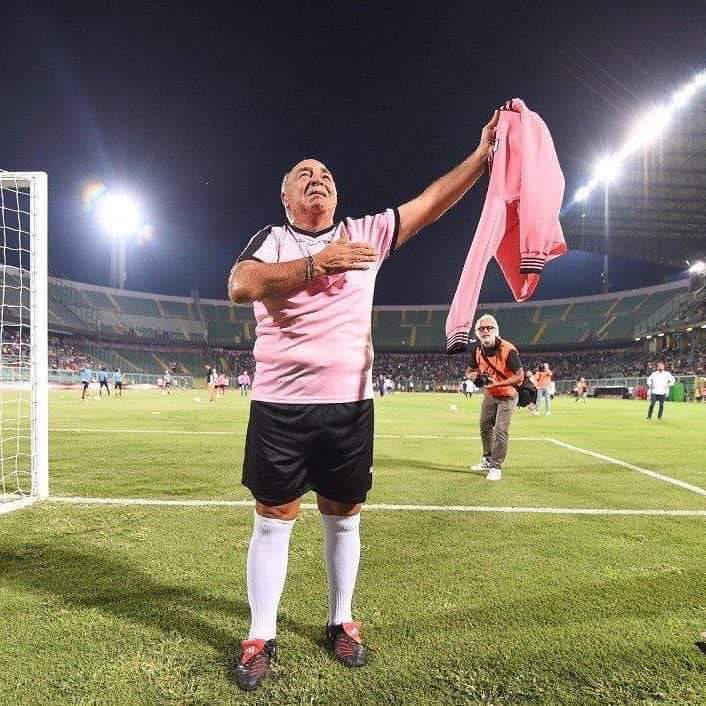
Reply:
x=519, y=224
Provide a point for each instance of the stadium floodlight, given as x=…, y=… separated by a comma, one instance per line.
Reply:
x=24, y=398
x=647, y=130
x=660, y=334
x=644, y=133
x=119, y=213
x=607, y=169
x=582, y=194
x=703, y=325
x=638, y=338
x=698, y=268
x=689, y=328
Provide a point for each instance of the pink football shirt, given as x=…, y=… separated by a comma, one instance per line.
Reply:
x=314, y=343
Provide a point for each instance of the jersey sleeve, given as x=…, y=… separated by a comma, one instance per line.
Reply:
x=263, y=247
x=513, y=361
x=379, y=231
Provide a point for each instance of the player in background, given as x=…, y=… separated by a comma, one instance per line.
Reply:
x=211, y=378
x=103, y=381
x=410, y=385
x=581, y=390
x=118, y=383
x=244, y=383
x=543, y=379
x=167, y=377
x=381, y=385
x=221, y=385
x=659, y=384
x=86, y=375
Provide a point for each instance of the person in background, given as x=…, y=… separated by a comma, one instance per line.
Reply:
x=211, y=377
x=103, y=381
x=581, y=390
x=658, y=384
x=118, y=383
x=498, y=362
x=86, y=375
x=543, y=380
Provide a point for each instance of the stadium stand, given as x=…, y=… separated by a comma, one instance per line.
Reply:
x=141, y=332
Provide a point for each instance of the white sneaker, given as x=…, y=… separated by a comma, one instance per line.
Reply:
x=535, y=412
x=494, y=474
x=483, y=466
x=549, y=414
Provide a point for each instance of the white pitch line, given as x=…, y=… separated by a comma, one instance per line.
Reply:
x=81, y=430
x=624, y=464
x=383, y=507
x=16, y=504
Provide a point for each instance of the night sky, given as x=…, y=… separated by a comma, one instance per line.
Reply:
x=199, y=108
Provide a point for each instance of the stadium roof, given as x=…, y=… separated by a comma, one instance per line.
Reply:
x=654, y=209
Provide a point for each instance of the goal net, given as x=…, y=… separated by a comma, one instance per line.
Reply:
x=24, y=473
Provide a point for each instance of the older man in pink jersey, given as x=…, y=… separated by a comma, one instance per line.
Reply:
x=311, y=282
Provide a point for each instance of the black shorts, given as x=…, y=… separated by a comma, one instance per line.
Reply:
x=104, y=383
x=293, y=448
x=84, y=383
x=119, y=385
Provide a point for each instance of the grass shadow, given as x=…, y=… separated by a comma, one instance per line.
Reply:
x=82, y=579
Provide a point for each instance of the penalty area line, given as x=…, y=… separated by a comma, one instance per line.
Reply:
x=632, y=467
x=383, y=507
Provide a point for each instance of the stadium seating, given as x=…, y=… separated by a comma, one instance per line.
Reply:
x=131, y=317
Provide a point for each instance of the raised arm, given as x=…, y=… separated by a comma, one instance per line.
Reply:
x=442, y=194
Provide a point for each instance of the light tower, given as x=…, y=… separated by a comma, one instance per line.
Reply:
x=120, y=217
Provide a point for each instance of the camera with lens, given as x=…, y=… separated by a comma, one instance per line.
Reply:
x=482, y=379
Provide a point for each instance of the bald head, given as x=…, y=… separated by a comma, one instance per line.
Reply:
x=309, y=194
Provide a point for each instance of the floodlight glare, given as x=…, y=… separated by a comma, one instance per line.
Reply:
x=119, y=214
x=684, y=95
x=698, y=268
x=582, y=194
x=607, y=170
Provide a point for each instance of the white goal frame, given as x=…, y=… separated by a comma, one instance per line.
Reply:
x=36, y=184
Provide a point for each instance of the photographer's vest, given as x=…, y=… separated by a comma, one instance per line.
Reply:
x=499, y=367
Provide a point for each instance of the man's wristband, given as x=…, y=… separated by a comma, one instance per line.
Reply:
x=310, y=271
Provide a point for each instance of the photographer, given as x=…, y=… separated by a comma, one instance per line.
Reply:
x=496, y=368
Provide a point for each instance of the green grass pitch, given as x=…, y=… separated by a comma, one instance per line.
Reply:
x=146, y=604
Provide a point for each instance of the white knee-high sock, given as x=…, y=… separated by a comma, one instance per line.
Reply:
x=267, y=568
x=342, y=539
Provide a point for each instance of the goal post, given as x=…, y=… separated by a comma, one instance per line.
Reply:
x=24, y=395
